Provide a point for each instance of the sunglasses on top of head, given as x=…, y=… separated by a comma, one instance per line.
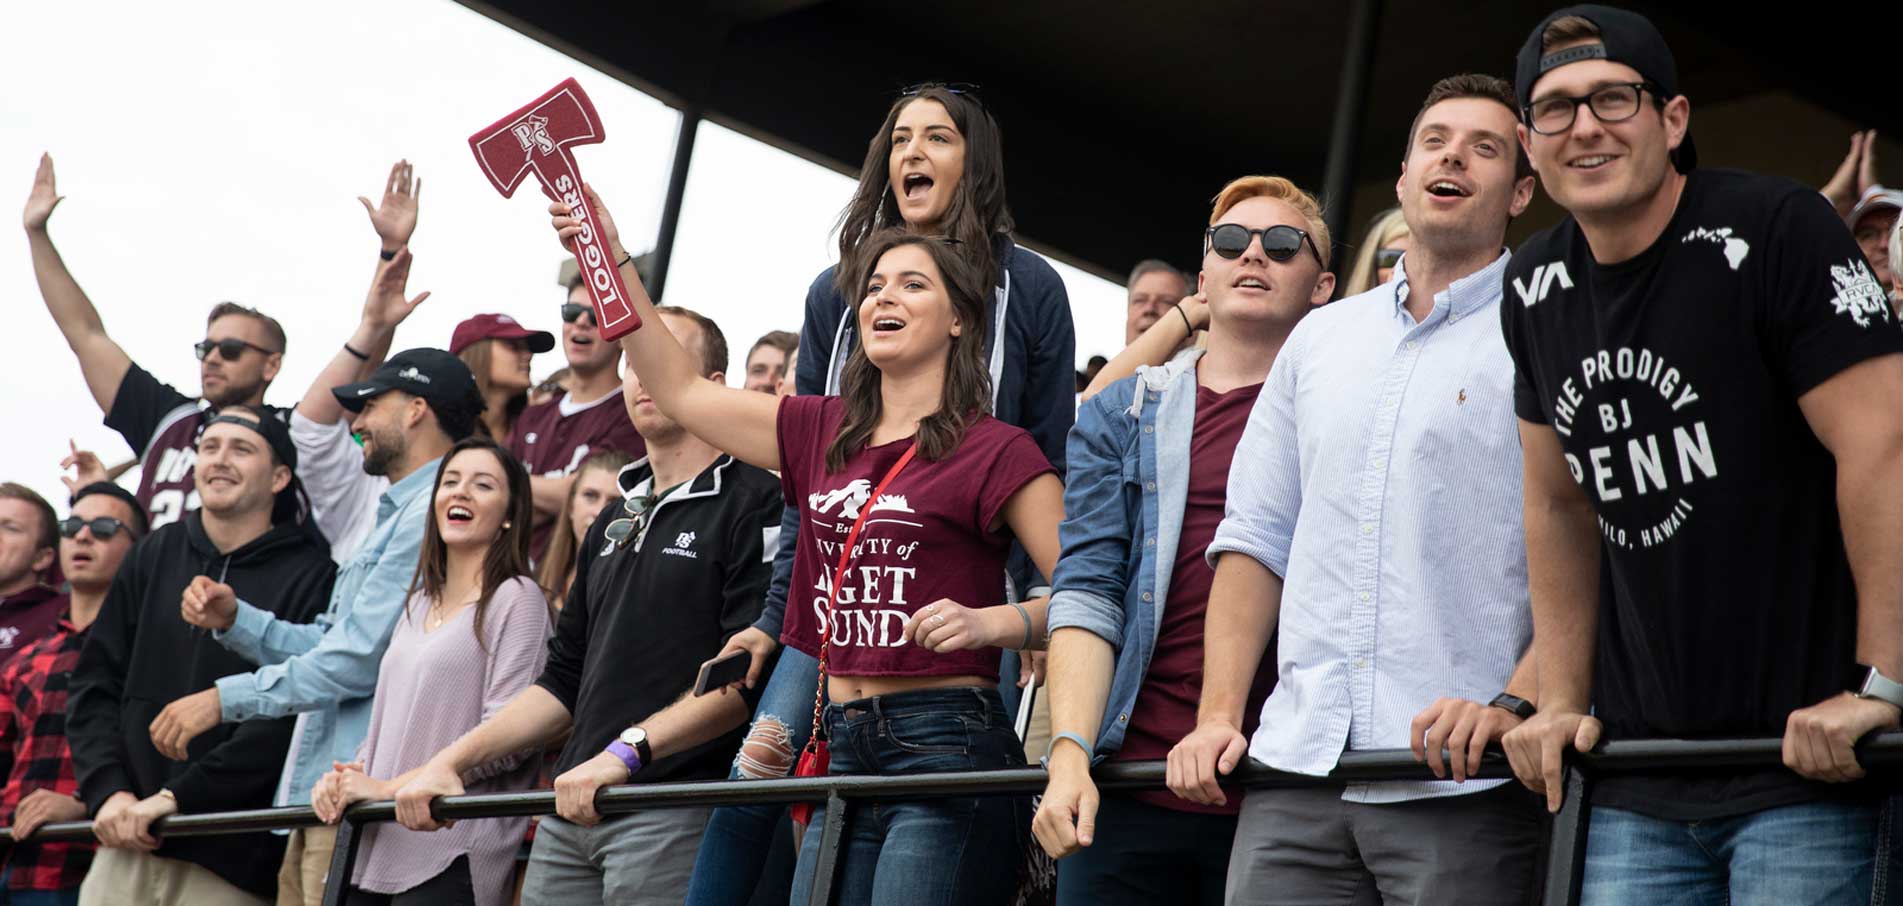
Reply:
x=572, y=312
x=1280, y=243
x=104, y=527
x=231, y=349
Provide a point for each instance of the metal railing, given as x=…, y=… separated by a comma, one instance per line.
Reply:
x=1565, y=857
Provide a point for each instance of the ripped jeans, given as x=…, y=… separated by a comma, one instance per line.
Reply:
x=734, y=849
x=733, y=852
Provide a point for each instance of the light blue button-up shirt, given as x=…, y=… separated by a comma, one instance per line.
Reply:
x=326, y=672
x=1379, y=475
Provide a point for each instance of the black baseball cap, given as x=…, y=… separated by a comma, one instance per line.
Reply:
x=1624, y=37
x=439, y=378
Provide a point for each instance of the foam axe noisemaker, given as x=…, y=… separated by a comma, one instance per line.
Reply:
x=540, y=139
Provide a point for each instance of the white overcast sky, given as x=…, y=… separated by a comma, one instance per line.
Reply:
x=215, y=151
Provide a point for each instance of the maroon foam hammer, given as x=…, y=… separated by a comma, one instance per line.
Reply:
x=540, y=139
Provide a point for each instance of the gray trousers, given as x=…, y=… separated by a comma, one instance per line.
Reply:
x=637, y=859
x=1309, y=847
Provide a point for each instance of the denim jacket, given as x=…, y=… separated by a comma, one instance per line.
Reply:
x=1128, y=478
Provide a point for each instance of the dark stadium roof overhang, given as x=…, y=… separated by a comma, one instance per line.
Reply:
x=1123, y=117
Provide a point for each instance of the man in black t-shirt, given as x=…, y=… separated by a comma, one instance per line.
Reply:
x=1707, y=379
x=661, y=583
x=240, y=355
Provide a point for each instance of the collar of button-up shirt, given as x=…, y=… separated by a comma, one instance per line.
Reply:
x=1460, y=299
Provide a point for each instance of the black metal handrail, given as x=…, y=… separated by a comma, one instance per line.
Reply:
x=1565, y=856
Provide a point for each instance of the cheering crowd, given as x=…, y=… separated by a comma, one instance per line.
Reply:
x=1633, y=479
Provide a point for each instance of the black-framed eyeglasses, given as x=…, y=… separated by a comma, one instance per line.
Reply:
x=1280, y=242
x=1385, y=258
x=231, y=349
x=1610, y=104
x=104, y=527
x=639, y=511
x=572, y=312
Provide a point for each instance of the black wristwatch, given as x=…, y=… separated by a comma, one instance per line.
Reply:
x=1519, y=707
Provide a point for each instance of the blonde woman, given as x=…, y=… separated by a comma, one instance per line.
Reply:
x=1374, y=263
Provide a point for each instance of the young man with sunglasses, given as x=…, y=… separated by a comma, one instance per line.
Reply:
x=240, y=355
x=35, y=758
x=409, y=412
x=1374, y=537
x=1707, y=386
x=251, y=537
x=551, y=439
x=30, y=599
x=1149, y=458
x=663, y=579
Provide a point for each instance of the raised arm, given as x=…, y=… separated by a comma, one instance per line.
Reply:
x=740, y=422
x=1156, y=346
x=384, y=306
x=101, y=361
x=383, y=309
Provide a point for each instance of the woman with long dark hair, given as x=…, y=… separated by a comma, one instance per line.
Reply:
x=934, y=167
x=913, y=496
x=472, y=636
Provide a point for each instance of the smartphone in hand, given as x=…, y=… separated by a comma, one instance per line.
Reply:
x=724, y=671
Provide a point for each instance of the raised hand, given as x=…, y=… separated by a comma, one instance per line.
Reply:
x=1843, y=189
x=384, y=308
x=44, y=197
x=1867, y=170
x=395, y=219
x=567, y=226
x=88, y=468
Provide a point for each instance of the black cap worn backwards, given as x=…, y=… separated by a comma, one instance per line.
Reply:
x=1624, y=37
x=441, y=379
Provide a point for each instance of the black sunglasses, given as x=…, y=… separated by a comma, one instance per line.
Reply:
x=230, y=348
x=104, y=527
x=1280, y=243
x=951, y=87
x=572, y=312
x=1387, y=257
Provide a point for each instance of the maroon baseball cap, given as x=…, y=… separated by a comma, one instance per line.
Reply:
x=497, y=327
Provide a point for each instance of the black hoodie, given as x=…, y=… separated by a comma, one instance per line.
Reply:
x=140, y=655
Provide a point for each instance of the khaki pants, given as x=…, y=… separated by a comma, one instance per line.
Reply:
x=121, y=876
x=306, y=863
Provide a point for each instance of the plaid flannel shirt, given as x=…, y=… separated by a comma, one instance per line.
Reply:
x=34, y=754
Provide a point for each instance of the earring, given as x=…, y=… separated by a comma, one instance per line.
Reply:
x=505, y=526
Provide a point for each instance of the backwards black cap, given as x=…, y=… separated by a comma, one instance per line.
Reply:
x=1624, y=37
x=441, y=379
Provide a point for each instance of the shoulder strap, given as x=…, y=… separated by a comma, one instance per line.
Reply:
x=839, y=575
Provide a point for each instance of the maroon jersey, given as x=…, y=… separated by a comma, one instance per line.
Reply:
x=553, y=438
x=1165, y=709
x=27, y=617
x=927, y=537
x=161, y=425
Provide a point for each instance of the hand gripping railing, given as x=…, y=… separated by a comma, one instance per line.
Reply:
x=1565, y=861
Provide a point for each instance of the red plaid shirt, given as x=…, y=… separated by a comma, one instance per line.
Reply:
x=34, y=753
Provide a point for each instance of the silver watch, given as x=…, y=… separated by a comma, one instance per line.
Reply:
x=1877, y=686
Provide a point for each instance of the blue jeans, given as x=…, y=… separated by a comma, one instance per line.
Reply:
x=733, y=852
x=937, y=852
x=1811, y=854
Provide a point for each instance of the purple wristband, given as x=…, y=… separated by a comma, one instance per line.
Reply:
x=627, y=754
